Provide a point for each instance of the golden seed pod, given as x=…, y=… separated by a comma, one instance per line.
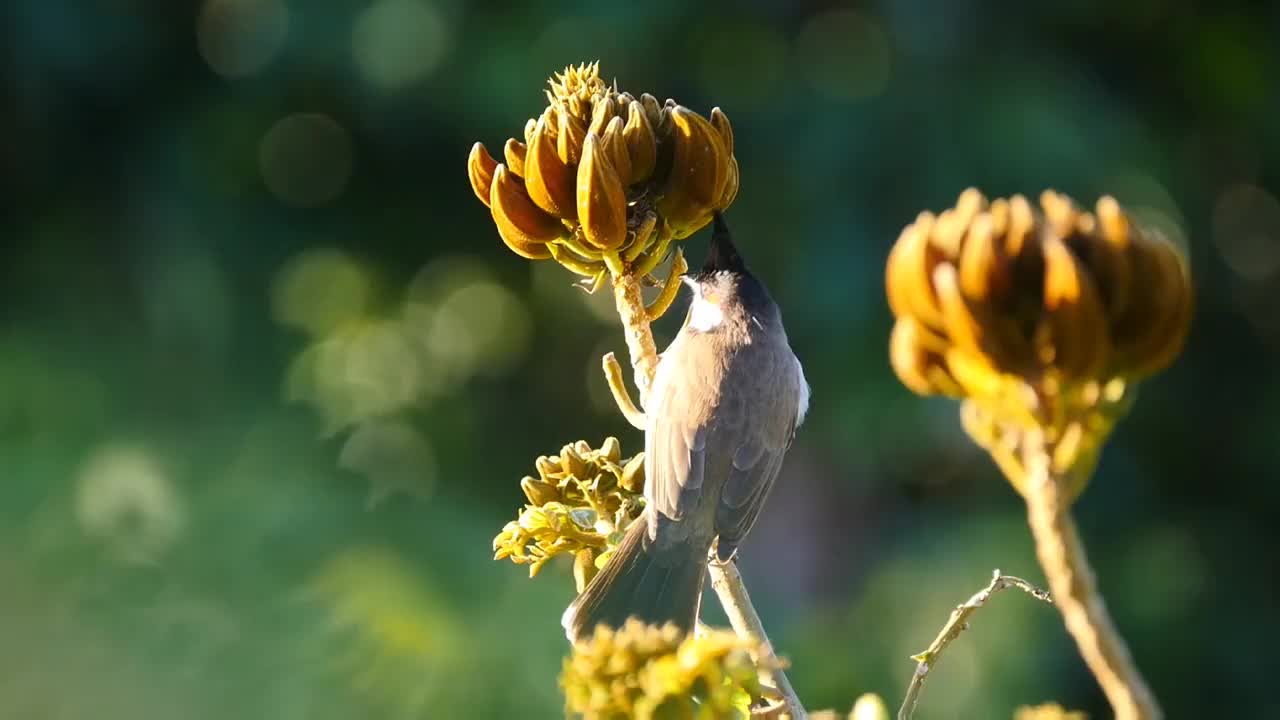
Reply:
x=920, y=367
x=602, y=202
x=573, y=132
x=524, y=227
x=480, y=167
x=514, y=153
x=650, y=174
x=720, y=122
x=730, y=192
x=614, y=146
x=699, y=168
x=602, y=111
x=652, y=110
x=549, y=180
x=642, y=144
x=1055, y=297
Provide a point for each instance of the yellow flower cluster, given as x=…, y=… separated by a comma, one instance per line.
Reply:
x=604, y=181
x=1048, y=711
x=1041, y=319
x=644, y=671
x=1056, y=296
x=581, y=503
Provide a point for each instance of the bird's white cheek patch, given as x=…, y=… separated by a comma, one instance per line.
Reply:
x=705, y=316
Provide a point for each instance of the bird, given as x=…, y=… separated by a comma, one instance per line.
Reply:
x=725, y=403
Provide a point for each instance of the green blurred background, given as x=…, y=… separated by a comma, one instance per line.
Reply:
x=269, y=379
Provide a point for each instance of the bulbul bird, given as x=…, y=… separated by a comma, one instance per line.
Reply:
x=726, y=400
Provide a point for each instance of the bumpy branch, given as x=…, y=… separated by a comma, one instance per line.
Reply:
x=724, y=577
x=956, y=624
x=635, y=325
x=727, y=582
x=1071, y=579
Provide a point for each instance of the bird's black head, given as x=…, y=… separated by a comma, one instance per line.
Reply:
x=725, y=287
x=722, y=256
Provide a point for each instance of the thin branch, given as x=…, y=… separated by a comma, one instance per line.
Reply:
x=1066, y=565
x=727, y=582
x=635, y=326
x=956, y=624
x=618, y=386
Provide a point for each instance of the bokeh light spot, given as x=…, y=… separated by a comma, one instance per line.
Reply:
x=1246, y=229
x=844, y=55
x=476, y=326
x=394, y=456
x=365, y=370
x=396, y=43
x=239, y=37
x=126, y=499
x=306, y=159
x=320, y=290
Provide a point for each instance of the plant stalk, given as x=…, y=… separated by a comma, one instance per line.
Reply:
x=1075, y=591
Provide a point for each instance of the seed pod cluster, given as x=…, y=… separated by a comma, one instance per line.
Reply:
x=581, y=503
x=603, y=180
x=1054, y=296
x=649, y=671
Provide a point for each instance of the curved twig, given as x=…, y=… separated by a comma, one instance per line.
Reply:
x=956, y=624
x=618, y=386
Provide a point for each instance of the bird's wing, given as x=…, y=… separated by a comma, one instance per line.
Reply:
x=731, y=439
x=760, y=446
x=675, y=443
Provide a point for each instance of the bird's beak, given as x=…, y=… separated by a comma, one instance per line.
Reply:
x=687, y=280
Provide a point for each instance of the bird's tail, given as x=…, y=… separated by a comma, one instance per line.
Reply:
x=643, y=580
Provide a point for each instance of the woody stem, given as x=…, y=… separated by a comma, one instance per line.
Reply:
x=1075, y=591
x=635, y=326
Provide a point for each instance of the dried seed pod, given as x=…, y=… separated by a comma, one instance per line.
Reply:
x=1073, y=316
x=603, y=110
x=524, y=227
x=602, y=202
x=573, y=131
x=614, y=146
x=699, y=169
x=480, y=167
x=642, y=144
x=550, y=181
x=720, y=122
x=514, y=152
x=919, y=367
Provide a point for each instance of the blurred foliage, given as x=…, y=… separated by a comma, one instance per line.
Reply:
x=268, y=377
